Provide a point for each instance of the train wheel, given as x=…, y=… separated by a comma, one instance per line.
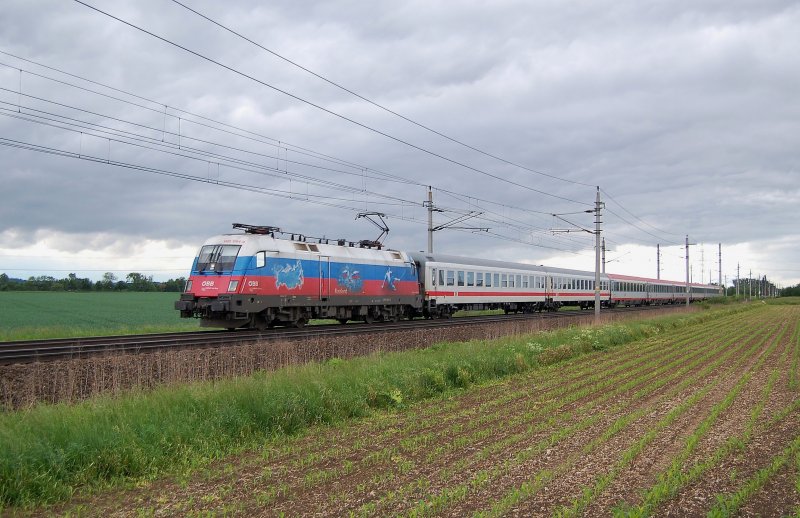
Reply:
x=342, y=320
x=300, y=322
x=369, y=319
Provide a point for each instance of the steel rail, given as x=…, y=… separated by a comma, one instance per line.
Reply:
x=28, y=351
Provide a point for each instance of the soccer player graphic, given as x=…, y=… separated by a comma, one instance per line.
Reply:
x=388, y=280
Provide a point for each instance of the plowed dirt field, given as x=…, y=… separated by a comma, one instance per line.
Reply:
x=704, y=419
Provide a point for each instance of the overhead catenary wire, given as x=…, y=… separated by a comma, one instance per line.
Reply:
x=172, y=150
x=376, y=104
x=270, y=141
x=237, y=185
x=169, y=148
x=217, y=125
x=360, y=169
x=183, y=136
x=669, y=241
x=162, y=130
x=509, y=223
x=297, y=149
x=326, y=110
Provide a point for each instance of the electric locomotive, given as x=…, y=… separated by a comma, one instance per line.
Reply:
x=255, y=280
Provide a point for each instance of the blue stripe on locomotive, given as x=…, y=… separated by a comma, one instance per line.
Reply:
x=348, y=274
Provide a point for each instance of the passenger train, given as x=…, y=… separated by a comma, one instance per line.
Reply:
x=255, y=280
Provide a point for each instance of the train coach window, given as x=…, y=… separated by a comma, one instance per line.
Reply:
x=433, y=276
x=470, y=278
x=497, y=280
x=261, y=259
x=451, y=278
x=518, y=282
x=460, y=278
x=510, y=281
x=488, y=280
x=479, y=279
x=441, y=277
x=524, y=281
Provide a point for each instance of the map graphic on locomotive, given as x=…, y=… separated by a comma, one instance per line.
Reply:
x=290, y=275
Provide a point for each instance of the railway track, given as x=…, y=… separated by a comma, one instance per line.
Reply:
x=28, y=351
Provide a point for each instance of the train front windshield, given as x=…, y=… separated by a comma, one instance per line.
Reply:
x=217, y=258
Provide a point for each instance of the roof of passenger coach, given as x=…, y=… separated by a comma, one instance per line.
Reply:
x=618, y=277
x=466, y=262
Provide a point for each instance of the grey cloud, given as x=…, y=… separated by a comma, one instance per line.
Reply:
x=683, y=111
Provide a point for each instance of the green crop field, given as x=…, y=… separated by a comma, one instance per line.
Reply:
x=33, y=315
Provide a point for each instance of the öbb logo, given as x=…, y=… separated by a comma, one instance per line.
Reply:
x=208, y=284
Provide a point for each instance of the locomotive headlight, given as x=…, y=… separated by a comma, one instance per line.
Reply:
x=188, y=286
x=233, y=285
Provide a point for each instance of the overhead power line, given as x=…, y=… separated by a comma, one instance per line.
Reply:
x=641, y=220
x=321, y=200
x=162, y=145
x=374, y=103
x=161, y=110
x=326, y=110
x=358, y=170
x=240, y=132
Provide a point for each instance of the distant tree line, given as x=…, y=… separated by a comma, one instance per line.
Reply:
x=791, y=291
x=133, y=282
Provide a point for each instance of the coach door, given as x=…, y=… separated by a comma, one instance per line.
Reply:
x=324, y=277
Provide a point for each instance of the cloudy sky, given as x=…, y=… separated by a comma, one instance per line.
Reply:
x=122, y=150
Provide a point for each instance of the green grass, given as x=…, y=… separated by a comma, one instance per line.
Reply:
x=30, y=315
x=49, y=451
x=784, y=301
x=39, y=315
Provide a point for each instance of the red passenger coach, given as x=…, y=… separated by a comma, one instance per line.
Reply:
x=257, y=280
x=627, y=290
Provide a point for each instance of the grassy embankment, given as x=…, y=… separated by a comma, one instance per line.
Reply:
x=49, y=452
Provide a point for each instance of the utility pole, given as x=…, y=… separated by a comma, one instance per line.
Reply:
x=738, y=280
x=599, y=249
x=604, y=255
x=450, y=224
x=703, y=265
x=429, y=204
x=597, y=207
x=687, y=270
x=750, y=285
x=658, y=261
x=720, y=264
